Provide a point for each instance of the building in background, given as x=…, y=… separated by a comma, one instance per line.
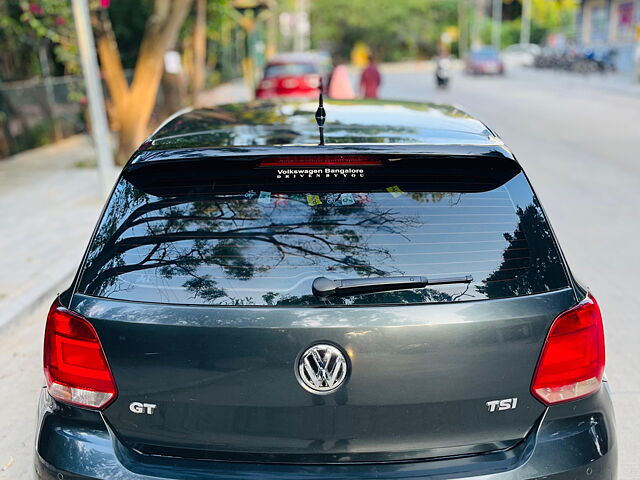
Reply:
x=612, y=24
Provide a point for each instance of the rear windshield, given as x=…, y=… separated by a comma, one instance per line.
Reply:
x=290, y=70
x=259, y=231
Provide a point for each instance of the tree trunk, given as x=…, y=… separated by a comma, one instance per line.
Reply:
x=134, y=104
x=199, y=47
x=111, y=67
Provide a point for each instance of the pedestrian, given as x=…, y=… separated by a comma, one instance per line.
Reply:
x=370, y=80
x=340, y=85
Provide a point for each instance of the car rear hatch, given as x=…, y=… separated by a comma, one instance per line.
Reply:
x=199, y=284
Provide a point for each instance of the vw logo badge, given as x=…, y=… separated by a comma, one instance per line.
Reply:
x=321, y=369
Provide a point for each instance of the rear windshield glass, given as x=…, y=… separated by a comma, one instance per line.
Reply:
x=258, y=232
x=290, y=70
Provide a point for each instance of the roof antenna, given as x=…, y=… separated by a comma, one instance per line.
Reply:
x=321, y=115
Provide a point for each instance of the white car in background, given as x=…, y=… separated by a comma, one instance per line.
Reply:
x=521, y=54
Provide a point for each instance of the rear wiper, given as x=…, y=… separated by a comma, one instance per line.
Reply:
x=325, y=287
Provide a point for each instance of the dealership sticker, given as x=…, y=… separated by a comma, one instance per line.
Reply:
x=313, y=200
x=319, y=173
x=395, y=191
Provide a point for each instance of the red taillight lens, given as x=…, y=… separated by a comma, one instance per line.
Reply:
x=75, y=367
x=573, y=357
x=312, y=81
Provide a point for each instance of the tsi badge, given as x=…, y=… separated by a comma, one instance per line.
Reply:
x=499, y=405
x=137, y=407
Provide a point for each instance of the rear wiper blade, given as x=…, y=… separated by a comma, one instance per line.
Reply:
x=325, y=287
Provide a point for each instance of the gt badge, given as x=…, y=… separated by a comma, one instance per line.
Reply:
x=137, y=407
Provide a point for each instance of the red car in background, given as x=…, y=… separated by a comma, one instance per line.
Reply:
x=292, y=75
x=485, y=60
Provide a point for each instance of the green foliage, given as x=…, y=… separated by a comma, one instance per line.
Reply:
x=32, y=22
x=401, y=29
x=53, y=20
x=128, y=20
x=219, y=19
x=393, y=29
x=547, y=17
x=19, y=54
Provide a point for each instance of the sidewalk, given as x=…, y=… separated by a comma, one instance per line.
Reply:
x=230, y=92
x=49, y=204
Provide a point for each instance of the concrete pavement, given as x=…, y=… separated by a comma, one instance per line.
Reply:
x=578, y=142
x=49, y=202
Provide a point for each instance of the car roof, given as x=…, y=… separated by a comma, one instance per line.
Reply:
x=364, y=126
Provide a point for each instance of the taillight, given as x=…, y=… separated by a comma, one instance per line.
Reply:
x=75, y=367
x=312, y=81
x=572, y=361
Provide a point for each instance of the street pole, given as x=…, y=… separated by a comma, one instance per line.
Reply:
x=496, y=26
x=301, y=35
x=463, y=31
x=525, y=27
x=476, y=25
x=95, y=97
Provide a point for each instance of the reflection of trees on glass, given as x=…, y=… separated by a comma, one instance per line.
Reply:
x=530, y=263
x=178, y=239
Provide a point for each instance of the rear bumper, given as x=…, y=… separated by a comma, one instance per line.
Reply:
x=574, y=441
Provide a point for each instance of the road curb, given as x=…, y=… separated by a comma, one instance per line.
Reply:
x=33, y=298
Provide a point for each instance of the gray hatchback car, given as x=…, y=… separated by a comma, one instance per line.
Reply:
x=390, y=304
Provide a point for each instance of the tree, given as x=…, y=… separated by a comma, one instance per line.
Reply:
x=52, y=20
x=199, y=47
x=393, y=29
x=18, y=57
x=133, y=103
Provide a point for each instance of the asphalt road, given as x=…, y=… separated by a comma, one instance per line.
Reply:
x=579, y=144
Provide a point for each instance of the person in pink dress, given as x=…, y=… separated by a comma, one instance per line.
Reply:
x=340, y=84
x=370, y=80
